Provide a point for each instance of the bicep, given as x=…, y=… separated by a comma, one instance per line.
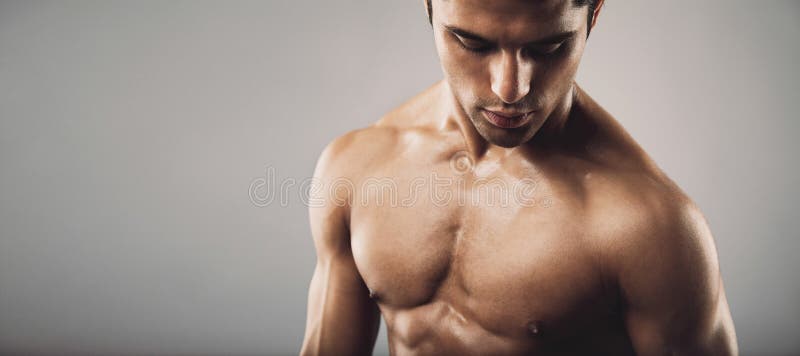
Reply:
x=341, y=318
x=674, y=298
x=681, y=327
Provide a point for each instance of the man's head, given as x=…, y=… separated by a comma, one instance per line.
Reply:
x=591, y=4
x=512, y=57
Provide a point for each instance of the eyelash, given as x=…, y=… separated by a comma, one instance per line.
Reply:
x=477, y=50
x=552, y=53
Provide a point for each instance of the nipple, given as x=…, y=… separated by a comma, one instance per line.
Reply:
x=535, y=327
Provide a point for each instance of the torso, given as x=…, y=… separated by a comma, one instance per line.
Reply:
x=490, y=258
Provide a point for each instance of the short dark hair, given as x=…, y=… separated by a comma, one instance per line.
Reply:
x=591, y=3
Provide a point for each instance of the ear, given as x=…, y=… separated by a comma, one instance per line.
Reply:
x=427, y=4
x=596, y=12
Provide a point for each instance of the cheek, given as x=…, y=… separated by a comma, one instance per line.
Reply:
x=458, y=65
x=557, y=75
x=461, y=67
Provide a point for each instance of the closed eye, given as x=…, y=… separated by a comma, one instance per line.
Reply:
x=473, y=45
x=544, y=49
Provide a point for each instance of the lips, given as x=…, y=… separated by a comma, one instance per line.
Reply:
x=507, y=120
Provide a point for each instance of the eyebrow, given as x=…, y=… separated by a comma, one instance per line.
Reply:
x=555, y=38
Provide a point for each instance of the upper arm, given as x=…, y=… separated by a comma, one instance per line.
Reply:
x=673, y=297
x=341, y=319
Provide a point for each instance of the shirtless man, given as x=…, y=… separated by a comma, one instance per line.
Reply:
x=605, y=255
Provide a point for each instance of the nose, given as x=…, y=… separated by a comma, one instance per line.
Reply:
x=511, y=77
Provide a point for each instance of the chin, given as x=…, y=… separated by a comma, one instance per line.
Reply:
x=506, y=141
x=508, y=138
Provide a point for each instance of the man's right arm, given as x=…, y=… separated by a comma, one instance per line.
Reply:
x=341, y=319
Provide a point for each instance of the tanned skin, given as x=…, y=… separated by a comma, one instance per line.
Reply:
x=604, y=256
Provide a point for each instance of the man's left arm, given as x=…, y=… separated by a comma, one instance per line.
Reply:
x=673, y=298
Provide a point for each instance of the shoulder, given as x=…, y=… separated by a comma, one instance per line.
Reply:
x=641, y=217
x=338, y=170
x=655, y=243
x=353, y=152
x=629, y=198
x=365, y=149
x=647, y=229
x=659, y=255
x=661, y=225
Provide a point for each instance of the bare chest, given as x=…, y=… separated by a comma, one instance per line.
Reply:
x=503, y=259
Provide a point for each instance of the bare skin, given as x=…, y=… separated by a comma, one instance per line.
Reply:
x=602, y=254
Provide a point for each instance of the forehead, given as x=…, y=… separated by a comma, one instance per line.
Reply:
x=511, y=19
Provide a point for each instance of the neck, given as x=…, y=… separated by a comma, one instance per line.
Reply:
x=455, y=118
x=554, y=127
x=479, y=148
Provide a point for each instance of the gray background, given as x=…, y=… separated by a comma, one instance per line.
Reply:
x=131, y=131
